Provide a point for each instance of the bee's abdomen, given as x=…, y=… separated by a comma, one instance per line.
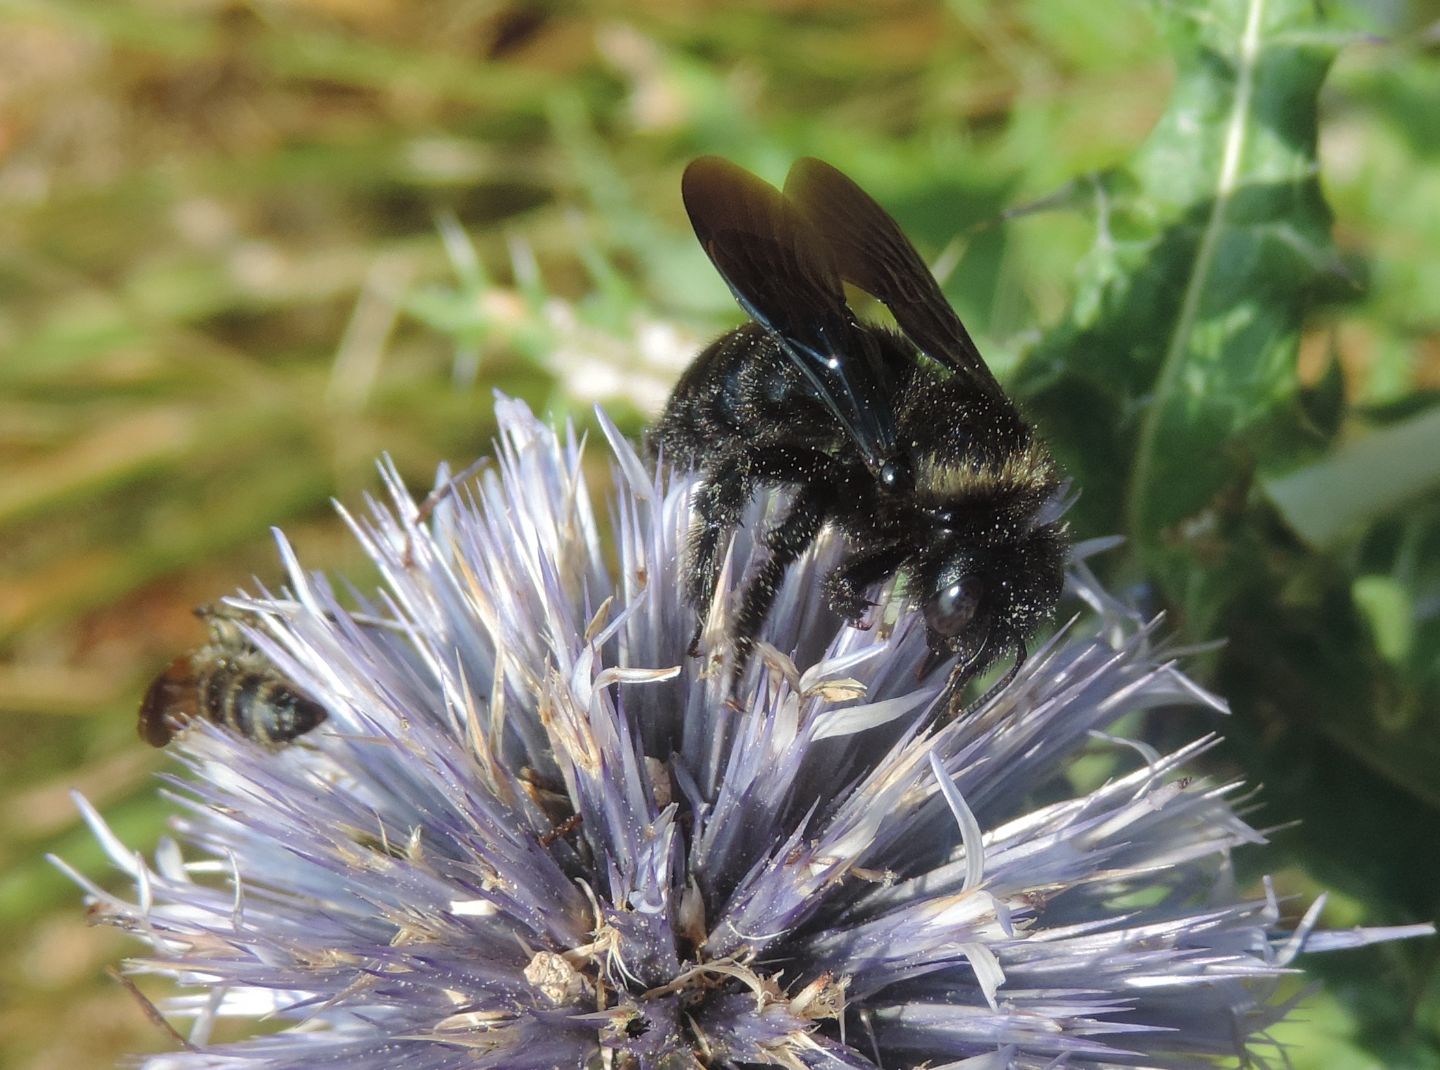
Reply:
x=740, y=385
x=257, y=705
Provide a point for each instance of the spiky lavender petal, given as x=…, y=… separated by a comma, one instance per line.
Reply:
x=535, y=833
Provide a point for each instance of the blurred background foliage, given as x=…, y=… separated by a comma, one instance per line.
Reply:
x=247, y=246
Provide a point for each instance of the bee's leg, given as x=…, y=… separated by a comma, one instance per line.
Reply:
x=786, y=541
x=847, y=583
x=720, y=502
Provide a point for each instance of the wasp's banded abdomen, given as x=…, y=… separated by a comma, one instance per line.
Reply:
x=240, y=692
x=256, y=704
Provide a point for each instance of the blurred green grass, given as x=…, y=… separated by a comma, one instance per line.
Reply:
x=246, y=247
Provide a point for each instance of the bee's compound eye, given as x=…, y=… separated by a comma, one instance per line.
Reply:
x=949, y=610
x=895, y=474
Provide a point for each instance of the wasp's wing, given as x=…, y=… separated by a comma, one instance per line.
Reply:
x=782, y=273
x=871, y=251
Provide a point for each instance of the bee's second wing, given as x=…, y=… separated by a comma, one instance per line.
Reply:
x=871, y=251
x=782, y=273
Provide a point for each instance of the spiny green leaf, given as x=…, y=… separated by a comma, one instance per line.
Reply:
x=1176, y=368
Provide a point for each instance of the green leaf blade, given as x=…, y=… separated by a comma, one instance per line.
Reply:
x=1250, y=179
x=1209, y=243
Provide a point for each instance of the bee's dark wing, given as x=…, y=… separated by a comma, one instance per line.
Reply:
x=871, y=251
x=781, y=271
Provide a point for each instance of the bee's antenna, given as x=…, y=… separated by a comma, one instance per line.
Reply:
x=959, y=676
x=424, y=510
x=1000, y=685
x=151, y=1011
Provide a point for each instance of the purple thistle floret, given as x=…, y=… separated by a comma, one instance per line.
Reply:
x=534, y=833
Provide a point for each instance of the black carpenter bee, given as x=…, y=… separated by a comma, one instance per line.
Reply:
x=229, y=683
x=901, y=440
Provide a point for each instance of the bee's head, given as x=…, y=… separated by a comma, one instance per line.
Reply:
x=982, y=601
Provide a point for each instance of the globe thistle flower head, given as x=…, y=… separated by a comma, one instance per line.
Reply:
x=533, y=832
